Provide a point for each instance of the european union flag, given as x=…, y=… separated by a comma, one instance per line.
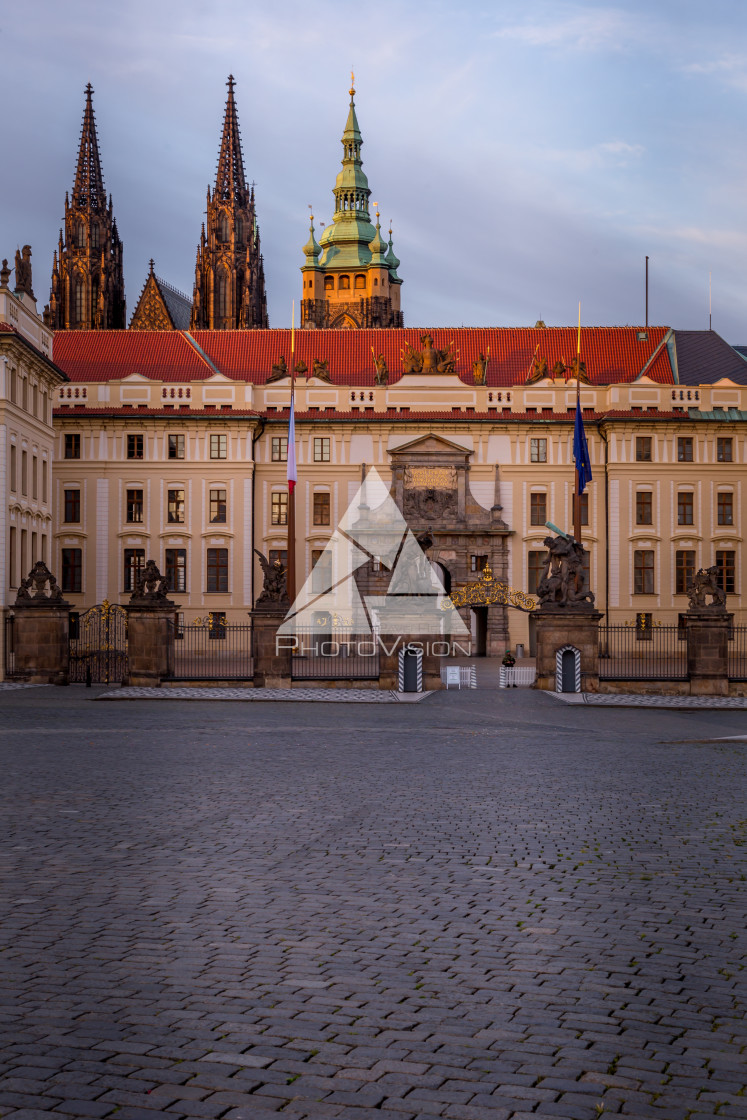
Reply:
x=581, y=451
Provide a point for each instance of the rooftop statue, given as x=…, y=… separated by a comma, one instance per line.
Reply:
x=429, y=359
x=538, y=370
x=279, y=370
x=480, y=369
x=23, y=271
x=381, y=376
x=320, y=369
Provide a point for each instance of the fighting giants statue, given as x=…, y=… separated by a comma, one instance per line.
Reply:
x=44, y=586
x=564, y=582
x=274, y=589
x=706, y=583
x=151, y=587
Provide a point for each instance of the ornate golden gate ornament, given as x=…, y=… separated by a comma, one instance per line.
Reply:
x=487, y=592
x=99, y=651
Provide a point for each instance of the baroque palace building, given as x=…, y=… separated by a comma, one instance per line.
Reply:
x=172, y=446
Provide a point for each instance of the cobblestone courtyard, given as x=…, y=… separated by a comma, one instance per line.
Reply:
x=481, y=907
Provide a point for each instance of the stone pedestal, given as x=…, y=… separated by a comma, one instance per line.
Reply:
x=41, y=639
x=271, y=653
x=708, y=651
x=558, y=628
x=151, y=630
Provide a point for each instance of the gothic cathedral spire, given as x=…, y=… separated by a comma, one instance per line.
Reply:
x=229, y=291
x=87, y=281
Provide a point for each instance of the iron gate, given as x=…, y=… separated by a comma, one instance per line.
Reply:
x=642, y=651
x=334, y=655
x=98, y=645
x=212, y=649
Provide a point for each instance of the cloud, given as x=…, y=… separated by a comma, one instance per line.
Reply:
x=731, y=68
x=583, y=29
x=609, y=153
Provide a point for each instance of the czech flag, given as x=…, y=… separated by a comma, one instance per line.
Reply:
x=291, y=453
x=581, y=451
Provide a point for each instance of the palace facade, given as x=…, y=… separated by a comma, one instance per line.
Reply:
x=172, y=446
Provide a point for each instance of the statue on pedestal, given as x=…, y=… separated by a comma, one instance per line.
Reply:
x=564, y=582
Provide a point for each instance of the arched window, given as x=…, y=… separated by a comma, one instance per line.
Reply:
x=80, y=235
x=94, y=236
x=239, y=229
x=221, y=301
x=329, y=283
x=344, y=284
x=79, y=305
x=360, y=283
x=224, y=231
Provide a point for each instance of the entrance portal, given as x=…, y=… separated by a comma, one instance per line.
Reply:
x=479, y=628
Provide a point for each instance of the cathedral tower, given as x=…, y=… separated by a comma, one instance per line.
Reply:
x=349, y=278
x=87, y=281
x=229, y=291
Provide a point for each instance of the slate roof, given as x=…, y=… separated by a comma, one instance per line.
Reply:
x=611, y=354
x=178, y=305
x=703, y=357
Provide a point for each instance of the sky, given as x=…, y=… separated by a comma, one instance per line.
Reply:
x=529, y=155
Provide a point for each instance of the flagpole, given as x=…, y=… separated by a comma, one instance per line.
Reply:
x=577, y=493
x=290, y=570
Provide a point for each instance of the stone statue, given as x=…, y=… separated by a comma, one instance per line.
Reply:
x=150, y=585
x=429, y=359
x=279, y=370
x=23, y=271
x=274, y=588
x=480, y=369
x=579, y=371
x=4, y=274
x=301, y=368
x=559, y=369
x=381, y=377
x=706, y=583
x=539, y=369
x=43, y=584
x=564, y=582
x=320, y=369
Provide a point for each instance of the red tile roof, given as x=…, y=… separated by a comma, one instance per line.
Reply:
x=110, y=355
x=612, y=354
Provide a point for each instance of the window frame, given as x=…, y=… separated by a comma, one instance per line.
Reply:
x=537, y=502
x=179, y=445
x=217, y=571
x=176, y=506
x=218, y=445
x=538, y=449
x=72, y=445
x=685, y=508
x=71, y=570
x=685, y=449
x=322, y=508
x=279, y=449
x=132, y=569
x=172, y=558
x=134, y=506
x=217, y=506
x=640, y=511
x=135, y=446
x=642, y=570
x=68, y=502
x=279, y=507
x=724, y=444
x=644, y=449
x=322, y=449
x=721, y=507
x=684, y=571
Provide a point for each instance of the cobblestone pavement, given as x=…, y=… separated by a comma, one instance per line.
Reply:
x=267, y=695
x=484, y=907
x=650, y=700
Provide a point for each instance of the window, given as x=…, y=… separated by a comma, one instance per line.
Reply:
x=13, y=479
x=360, y=283
x=24, y=472
x=72, y=505
x=684, y=571
x=218, y=507
x=176, y=568
x=13, y=558
x=535, y=568
x=537, y=509
x=218, y=446
x=725, y=562
x=643, y=572
x=176, y=507
x=321, y=449
x=44, y=480
x=584, y=509
x=684, y=449
x=34, y=477
x=176, y=447
x=80, y=302
x=643, y=449
x=221, y=309
x=685, y=507
x=81, y=235
x=477, y=563
x=344, y=284
x=329, y=283
x=321, y=570
x=94, y=235
x=644, y=507
x=279, y=449
x=538, y=450
x=280, y=554
x=72, y=569
x=321, y=509
x=134, y=447
x=279, y=508
x=217, y=570
x=72, y=445
x=135, y=506
x=724, y=449
x=725, y=508
x=134, y=562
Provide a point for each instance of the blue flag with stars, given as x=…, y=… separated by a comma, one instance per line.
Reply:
x=581, y=451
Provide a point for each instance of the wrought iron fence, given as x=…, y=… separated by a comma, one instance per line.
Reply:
x=10, y=646
x=212, y=649
x=738, y=653
x=335, y=655
x=642, y=652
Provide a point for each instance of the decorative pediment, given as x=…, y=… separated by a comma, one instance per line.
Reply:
x=430, y=445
